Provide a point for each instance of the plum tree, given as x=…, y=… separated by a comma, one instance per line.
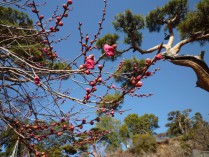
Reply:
x=34, y=96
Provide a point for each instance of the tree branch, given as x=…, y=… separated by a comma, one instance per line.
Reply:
x=136, y=48
x=197, y=64
x=171, y=38
x=196, y=37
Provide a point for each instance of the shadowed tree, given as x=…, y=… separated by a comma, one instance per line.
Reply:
x=179, y=123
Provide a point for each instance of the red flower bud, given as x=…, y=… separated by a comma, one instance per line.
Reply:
x=41, y=17
x=148, y=73
x=148, y=61
x=64, y=6
x=69, y=2
x=60, y=23
x=58, y=18
x=158, y=57
x=139, y=84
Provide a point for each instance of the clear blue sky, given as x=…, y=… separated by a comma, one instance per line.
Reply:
x=173, y=86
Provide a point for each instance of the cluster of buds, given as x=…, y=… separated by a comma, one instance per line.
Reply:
x=48, y=52
x=136, y=81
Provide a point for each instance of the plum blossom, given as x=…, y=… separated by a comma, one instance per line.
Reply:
x=158, y=57
x=109, y=50
x=113, y=86
x=90, y=62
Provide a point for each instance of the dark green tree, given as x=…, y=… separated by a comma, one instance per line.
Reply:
x=146, y=123
x=144, y=143
x=137, y=131
x=179, y=122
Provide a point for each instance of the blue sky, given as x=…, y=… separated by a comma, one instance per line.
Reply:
x=173, y=86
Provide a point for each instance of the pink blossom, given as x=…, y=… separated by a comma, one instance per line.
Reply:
x=113, y=86
x=158, y=57
x=89, y=62
x=109, y=50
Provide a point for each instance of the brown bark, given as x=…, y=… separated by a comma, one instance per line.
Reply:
x=197, y=64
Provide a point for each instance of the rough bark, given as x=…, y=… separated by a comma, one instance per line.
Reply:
x=197, y=64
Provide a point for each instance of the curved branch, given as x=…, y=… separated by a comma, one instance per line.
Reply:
x=197, y=64
x=197, y=36
x=136, y=48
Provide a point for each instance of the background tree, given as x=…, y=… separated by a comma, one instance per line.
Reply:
x=137, y=133
x=179, y=122
x=146, y=123
x=144, y=143
x=199, y=132
x=111, y=141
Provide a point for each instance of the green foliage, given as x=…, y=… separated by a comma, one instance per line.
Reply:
x=149, y=123
x=8, y=139
x=129, y=24
x=69, y=149
x=179, y=122
x=22, y=42
x=83, y=147
x=114, y=142
x=109, y=123
x=112, y=139
x=52, y=145
x=17, y=36
x=197, y=20
x=195, y=128
x=124, y=133
x=133, y=123
x=109, y=39
x=129, y=68
x=110, y=101
x=141, y=125
x=59, y=66
x=29, y=52
x=159, y=16
x=57, y=153
x=14, y=17
x=144, y=143
x=197, y=120
x=199, y=132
